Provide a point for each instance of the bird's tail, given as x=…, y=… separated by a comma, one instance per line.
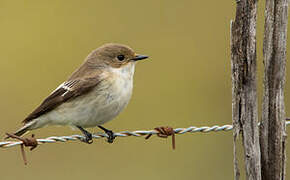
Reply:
x=23, y=129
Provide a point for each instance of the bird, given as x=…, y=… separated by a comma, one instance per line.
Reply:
x=94, y=94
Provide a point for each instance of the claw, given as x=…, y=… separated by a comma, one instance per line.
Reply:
x=111, y=136
x=88, y=139
x=88, y=136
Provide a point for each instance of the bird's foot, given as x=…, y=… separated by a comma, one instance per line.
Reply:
x=111, y=136
x=88, y=136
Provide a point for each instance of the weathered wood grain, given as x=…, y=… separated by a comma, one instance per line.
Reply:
x=244, y=90
x=273, y=132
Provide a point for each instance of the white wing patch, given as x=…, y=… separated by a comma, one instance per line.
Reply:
x=68, y=85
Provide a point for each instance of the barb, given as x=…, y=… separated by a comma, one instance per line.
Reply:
x=140, y=133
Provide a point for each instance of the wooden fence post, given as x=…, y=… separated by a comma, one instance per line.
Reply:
x=244, y=90
x=273, y=130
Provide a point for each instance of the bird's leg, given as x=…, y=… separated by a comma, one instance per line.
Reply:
x=109, y=133
x=88, y=136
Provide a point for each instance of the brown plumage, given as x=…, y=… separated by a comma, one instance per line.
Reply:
x=61, y=95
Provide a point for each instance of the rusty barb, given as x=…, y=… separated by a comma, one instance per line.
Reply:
x=164, y=132
x=27, y=142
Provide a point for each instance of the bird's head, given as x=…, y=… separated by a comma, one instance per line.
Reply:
x=116, y=55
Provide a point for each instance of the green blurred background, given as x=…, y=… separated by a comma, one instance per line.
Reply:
x=185, y=82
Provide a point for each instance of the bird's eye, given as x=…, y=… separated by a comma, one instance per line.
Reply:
x=121, y=57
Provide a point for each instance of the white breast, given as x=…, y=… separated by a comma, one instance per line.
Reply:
x=100, y=105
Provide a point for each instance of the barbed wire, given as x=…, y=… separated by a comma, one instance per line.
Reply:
x=139, y=133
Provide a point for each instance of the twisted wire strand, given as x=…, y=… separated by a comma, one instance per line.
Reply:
x=139, y=133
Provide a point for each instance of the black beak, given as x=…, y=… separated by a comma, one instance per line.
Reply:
x=139, y=57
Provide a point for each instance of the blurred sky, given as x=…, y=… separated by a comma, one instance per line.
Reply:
x=185, y=82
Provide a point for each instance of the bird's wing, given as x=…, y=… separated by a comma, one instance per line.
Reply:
x=65, y=92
